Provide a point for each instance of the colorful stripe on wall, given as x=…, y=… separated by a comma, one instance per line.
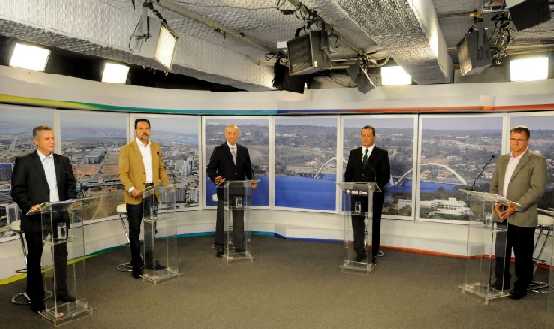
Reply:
x=71, y=105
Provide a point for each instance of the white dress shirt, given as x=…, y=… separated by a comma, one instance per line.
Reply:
x=510, y=168
x=233, y=149
x=50, y=173
x=146, y=152
x=369, y=150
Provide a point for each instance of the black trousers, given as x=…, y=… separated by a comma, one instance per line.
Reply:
x=238, y=222
x=358, y=224
x=35, y=283
x=521, y=240
x=135, y=214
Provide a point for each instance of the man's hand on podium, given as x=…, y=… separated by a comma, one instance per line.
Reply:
x=34, y=209
x=500, y=211
x=219, y=180
x=512, y=209
x=504, y=212
x=253, y=183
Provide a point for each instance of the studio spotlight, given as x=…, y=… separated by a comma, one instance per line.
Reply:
x=358, y=74
x=166, y=46
x=115, y=73
x=395, y=76
x=529, y=68
x=474, y=54
x=29, y=57
x=528, y=13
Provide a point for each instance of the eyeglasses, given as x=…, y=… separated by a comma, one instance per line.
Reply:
x=518, y=140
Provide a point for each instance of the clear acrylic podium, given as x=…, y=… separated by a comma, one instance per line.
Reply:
x=63, y=261
x=357, y=205
x=160, y=226
x=486, y=248
x=237, y=229
x=543, y=254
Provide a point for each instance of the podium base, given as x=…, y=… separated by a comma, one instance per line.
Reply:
x=67, y=312
x=238, y=256
x=538, y=287
x=158, y=276
x=357, y=267
x=484, y=291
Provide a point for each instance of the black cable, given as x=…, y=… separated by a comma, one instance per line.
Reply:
x=148, y=4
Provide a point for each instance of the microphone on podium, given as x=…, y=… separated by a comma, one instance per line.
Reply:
x=482, y=171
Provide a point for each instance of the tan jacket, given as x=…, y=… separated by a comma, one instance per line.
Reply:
x=132, y=173
x=526, y=186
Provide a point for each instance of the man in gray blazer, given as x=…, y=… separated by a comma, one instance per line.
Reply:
x=521, y=177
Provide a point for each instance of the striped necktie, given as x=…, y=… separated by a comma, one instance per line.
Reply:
x=364, y=160
x=234, y=153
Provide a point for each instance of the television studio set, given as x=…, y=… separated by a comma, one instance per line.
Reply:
x=287, y=164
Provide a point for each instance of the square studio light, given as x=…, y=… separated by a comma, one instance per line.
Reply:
x=395, y=76
x=29, y=57
x=529, y=68
x=115, y=73
x=166, y=47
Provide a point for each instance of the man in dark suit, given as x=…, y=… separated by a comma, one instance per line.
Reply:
x=368, y=163
x=229, y=161
x=521, y=177
x=39, y=177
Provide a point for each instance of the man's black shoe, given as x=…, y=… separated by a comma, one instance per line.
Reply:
x=361, y=257
x=219, y=254
x=137, y=273
x=65, y=298
x=239, y=250
x=517, y=294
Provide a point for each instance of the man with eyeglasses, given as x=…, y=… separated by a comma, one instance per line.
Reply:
x=520, y=177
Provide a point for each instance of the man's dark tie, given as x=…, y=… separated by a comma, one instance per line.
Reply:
x=364, y=160
x=234, y=154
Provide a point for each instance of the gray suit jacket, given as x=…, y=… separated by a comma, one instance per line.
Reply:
x=526, y=186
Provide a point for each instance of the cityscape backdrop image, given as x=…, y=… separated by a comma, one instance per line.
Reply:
x=16, y=139
x=453, y=153
x=305, y=162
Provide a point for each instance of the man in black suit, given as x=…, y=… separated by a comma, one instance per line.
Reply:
x=229, y=161
x=38, y=177
x=368, y=163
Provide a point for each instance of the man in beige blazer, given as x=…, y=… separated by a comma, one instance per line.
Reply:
x=140, y=167
x=521, y=177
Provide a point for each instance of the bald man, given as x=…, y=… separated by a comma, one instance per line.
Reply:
x=229, y=161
